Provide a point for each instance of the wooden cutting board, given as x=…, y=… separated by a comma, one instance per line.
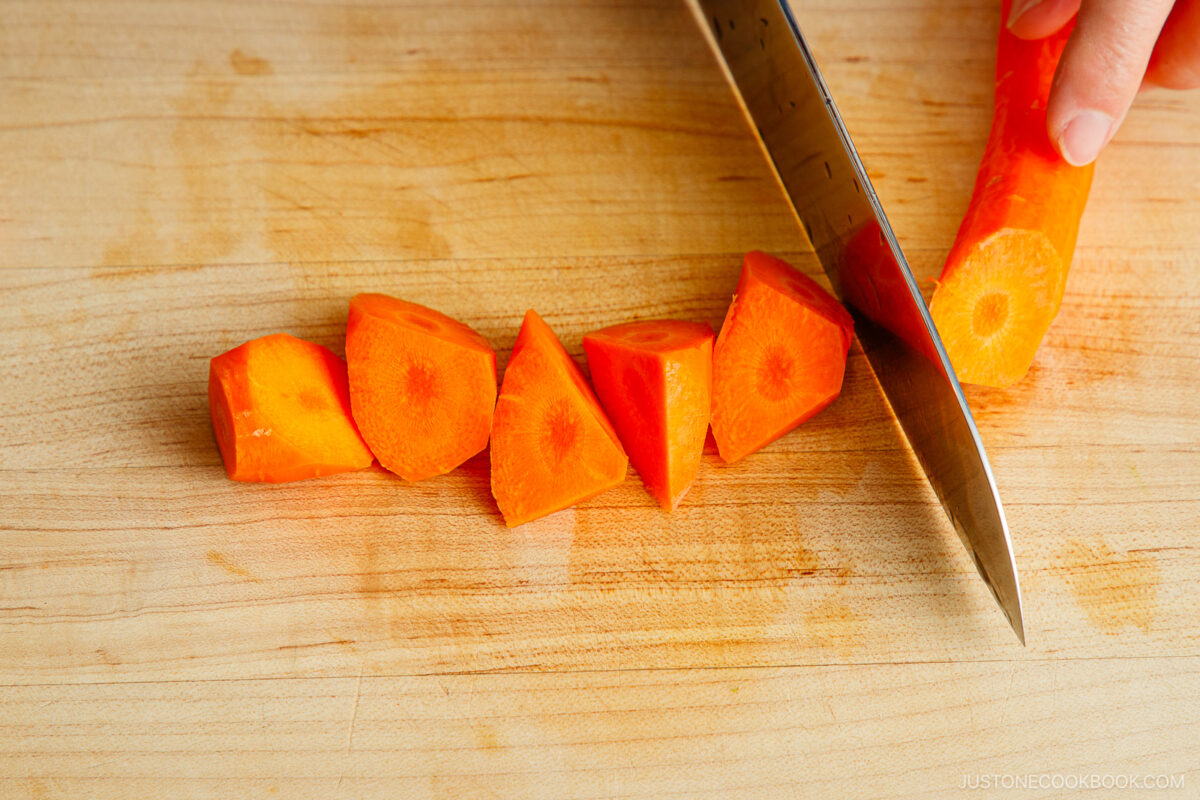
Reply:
x=181, y=177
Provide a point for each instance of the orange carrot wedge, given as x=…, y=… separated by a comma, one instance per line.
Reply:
x=1003, y=281
x=281, y=411
x=422, y=385
x=552, y=445
x=654, y=378
x=780, y=356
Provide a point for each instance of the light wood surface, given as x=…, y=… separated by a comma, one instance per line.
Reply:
x=181, y=177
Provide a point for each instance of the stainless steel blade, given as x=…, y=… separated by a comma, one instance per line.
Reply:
x=785, y=96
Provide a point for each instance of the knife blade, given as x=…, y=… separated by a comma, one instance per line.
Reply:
x=781, y=89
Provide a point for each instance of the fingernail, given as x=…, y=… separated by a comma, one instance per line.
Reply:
x=1084, y=136
x=1019, y=8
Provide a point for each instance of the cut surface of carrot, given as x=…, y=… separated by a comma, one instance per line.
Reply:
x=552, y=445
x=1004, y=278
x=280, y=410
x=779, y=359
x=422, y=385
x=654, y=379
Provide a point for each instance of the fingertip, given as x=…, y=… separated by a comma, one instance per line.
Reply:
x=1037, y=19
x=1101, y=71
x=1080, y=141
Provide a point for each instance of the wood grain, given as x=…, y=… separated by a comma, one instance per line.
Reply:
x=858, y=731
x=183, y=177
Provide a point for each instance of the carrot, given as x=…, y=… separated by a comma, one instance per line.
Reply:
x=280, y=410
x=873, y=284
x=654, y=378
x=552, y=445
x=422, y=385
x=779, y=359
x=1004, y=278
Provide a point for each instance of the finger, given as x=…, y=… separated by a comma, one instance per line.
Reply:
x=1175, y=63
x=1037, y=19
x=1100, y=72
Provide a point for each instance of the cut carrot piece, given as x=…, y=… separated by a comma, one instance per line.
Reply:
x=654, y=378
x=779, y=359
x=280, y=410
x=1003, y=281
x=552, y=445
x=422, y=385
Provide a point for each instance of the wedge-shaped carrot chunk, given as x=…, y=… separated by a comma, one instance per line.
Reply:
x=552, y=445
x=779, y=359
x=281, y=411
x=654, y=378
x=422, y=385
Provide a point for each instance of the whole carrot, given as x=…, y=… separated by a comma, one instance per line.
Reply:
x=1003, y=281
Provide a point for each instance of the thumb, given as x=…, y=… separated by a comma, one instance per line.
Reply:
x=1100, y=73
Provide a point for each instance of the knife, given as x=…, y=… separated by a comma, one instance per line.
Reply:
x=776, y=77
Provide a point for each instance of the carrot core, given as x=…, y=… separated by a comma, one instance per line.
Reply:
x=775, y=374
x=560, y=432
x=990, y=314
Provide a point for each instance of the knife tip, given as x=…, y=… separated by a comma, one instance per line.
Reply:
x=1018, y=624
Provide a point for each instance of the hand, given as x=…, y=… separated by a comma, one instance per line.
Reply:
x=1117, y=47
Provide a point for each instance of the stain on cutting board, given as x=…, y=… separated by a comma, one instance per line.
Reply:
x=37, y=789
x=834, y=625
x=1115, y=590
x=199, y=134
x=245, y=64
x=487, y=738
x=738, y=582
x=223, y=562
x=315, y=167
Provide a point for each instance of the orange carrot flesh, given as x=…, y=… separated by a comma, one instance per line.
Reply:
x=280, y=410
x=422, y=385
x=779, y=359
x=552, y=445
x=654, y=378
x=1004, y=278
